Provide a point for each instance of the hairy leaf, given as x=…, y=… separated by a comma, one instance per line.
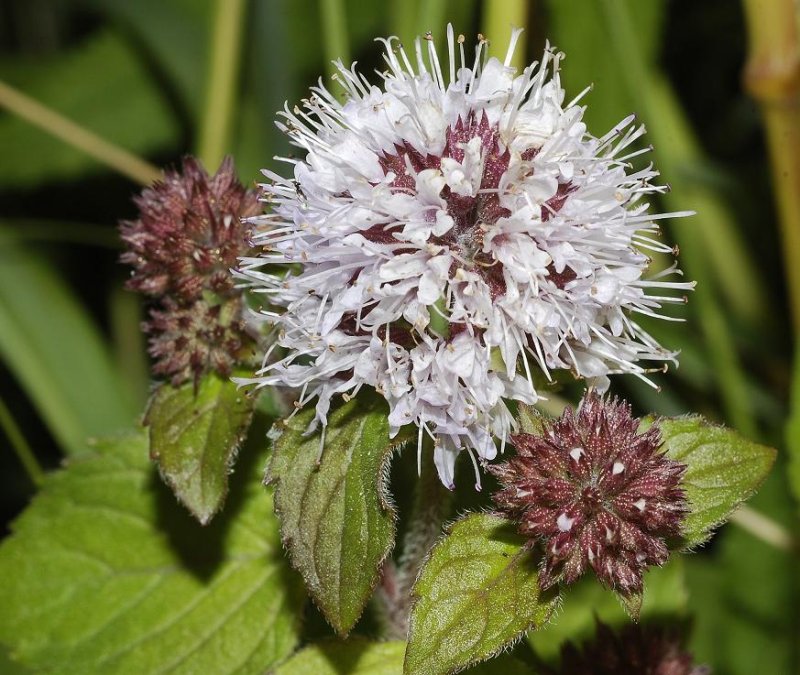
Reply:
x=105, y=574
x=70, y=380
x=195, y=433
x=477, y=593
x=723, y=469
x=336, y=521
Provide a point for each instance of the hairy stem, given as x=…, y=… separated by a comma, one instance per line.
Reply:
x=431, y=508
x=86, y=141
x=20, y=446
x=223, y=72
x=772, y=76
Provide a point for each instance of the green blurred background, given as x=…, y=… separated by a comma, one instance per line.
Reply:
x=141, y=75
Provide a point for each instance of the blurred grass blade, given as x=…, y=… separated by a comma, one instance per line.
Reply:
x=56, y=353
x=793, y=433
x=336, y=44
x=432, y=17
x=120, y=104
x=21, y=447
x=57, y=125
x=174, y=35
x=772, y=76
x=403, y=20
x=499, y=16
x=128, y=342
x=709, y=239
x=223, y=78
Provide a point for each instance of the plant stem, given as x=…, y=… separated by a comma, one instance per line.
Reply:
x=223, y=72
x=499, y=17
x=86, y=141
x=764, y=528
x=334, y=30
x=772, y=76
x=20, y=446
x=431, y=508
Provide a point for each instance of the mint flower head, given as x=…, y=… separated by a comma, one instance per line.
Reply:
x=451, y=236
x=596, y=493
x=189, y=235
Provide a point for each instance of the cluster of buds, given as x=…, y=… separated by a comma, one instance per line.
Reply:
x=188, y=236
x=632, y=651
x=596, y=493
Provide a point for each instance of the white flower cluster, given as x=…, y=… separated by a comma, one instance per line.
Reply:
x=451, y=238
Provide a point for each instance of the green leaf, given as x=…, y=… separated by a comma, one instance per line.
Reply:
x=195, y=433
x=120, y=102
x=336, y=520
x=723, y=470
x=357, y=656
x=56, y=353
x=665, y=595
x=105, y=574
x=477, y=593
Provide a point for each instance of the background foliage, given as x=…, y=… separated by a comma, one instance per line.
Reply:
x=139, y=74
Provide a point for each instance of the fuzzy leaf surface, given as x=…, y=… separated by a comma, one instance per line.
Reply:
x=723, y=470
x=336, y=521
x=194, y=437
x=105, y=574
x=477, y=593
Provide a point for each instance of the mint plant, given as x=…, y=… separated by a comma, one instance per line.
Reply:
x=381, y=436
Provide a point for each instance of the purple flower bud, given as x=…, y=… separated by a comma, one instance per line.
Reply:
x=188, y=237
x=189, y=233
x=596, y=493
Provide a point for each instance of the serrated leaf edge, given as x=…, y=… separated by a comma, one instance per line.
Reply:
x=386, y=502
x=415, y=597
x=708, y=531
x=240, y=435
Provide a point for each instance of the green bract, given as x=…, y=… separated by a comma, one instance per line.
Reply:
x=195, y=431
x=336, y=519
x=722, y=470
x=478, y=593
